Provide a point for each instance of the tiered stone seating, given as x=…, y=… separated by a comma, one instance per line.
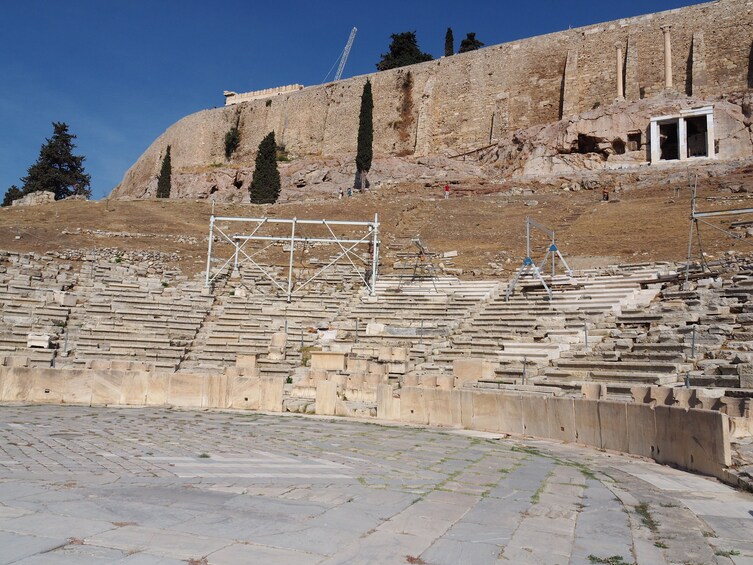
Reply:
x=136, y=318
x=31, y=295
x=418, y=315
x=680, y=334
x=533, y=330
x=248, y=312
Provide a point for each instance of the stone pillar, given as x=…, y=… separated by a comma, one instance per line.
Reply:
x=700, y=77
x=682, y=139
x=667, y=56
x=632, y=86
x=570, y=87
x=655, y=147
x=620, y=83
x=710, y=136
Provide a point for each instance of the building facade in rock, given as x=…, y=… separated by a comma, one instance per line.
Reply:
x=464, y=102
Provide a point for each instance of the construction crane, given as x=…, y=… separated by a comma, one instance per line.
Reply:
x=346, y=52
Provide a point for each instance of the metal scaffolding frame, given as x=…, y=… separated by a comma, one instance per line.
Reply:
x=346, y=245
x=530, y=267
x=423, y=264
x=697, y=217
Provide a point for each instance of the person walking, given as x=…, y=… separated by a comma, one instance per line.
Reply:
x=605, y=194
x=446, y=191
x=340, y=194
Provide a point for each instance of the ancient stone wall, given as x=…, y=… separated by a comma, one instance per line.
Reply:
x=236, y=98
x=470, y=100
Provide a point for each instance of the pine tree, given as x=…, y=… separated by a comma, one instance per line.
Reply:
x=364, y=151
x=470, y=43
x=13, y=193
x=164, y=183
x=403, y=51
x=449, y=43
x=57, y=169
x=265, y=182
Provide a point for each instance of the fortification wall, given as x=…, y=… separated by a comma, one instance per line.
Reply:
x=236, y=98
x=470, y=100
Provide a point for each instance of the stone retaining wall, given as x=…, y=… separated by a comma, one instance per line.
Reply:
x=139, y=388
x=692, y=439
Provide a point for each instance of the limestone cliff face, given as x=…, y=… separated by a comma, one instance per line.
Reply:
x=598, y=139
x=464, y=102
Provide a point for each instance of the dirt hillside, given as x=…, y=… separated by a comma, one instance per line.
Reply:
x=484, y=224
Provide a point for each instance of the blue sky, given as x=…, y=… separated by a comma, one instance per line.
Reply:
x=119, y=72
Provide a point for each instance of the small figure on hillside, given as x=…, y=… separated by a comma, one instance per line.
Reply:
x=340, y=194
x=446, y=191
x=350, y=192
x=605, y=194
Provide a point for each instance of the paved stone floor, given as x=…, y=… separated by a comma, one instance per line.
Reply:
x=146, y=486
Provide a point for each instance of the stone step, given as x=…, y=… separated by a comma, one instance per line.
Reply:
x=633, y=377
x=663, y=347
x=646, y=356
x=583, y=366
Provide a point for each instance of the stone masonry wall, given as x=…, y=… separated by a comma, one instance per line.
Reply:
x=470, y=100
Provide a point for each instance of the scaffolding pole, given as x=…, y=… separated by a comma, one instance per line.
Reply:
x=695, y=218
x=370, y=239
x=528, y=264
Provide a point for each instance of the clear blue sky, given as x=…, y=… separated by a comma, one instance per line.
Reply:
x=119, y=72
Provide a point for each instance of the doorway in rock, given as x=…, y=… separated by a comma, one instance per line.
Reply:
x=697, y=128
x=668, y=140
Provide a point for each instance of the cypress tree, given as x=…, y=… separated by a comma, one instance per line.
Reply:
x=163, y=180
x=470, y=43
x=449, y=43
x=233, y=138
x=265, y=182
x=58, y=170
x=364, y=152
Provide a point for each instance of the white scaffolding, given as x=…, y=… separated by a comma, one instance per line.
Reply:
x=529, y=267
x=366, y=234
x=697, y=218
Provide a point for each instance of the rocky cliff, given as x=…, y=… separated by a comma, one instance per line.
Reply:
x=511, y=94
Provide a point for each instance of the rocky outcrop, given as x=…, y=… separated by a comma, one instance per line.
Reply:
x=610, y=138
x=599, y=139
x=305, y=178
x=511, y=94
x=35, y=198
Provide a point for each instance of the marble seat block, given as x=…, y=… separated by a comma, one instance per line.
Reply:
x=277, y=346
x=41, y=341
x=64, y=299
x=270, y=398
x=328, y=360
x=471, y=370
x=16, y=361
x=410, y=379
x=326, y=398
x=246, y=362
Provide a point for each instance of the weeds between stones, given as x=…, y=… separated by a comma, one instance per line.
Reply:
x=646, y=518
x=613, y=560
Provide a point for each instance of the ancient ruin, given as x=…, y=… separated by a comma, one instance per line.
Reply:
x=605, y=96
x=577, y=377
